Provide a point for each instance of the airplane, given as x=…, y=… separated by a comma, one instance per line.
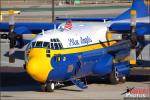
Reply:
x=73, y=50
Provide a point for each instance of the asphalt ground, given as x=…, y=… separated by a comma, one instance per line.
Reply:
x=44, y=16
x=17, y=85
x=42, y=12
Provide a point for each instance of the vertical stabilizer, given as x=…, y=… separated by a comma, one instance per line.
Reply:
x=142, y=8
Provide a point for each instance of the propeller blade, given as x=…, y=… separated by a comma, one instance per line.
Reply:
x=12, y=55
x=12, y=37
x=133, y=56
x=28, y=36
x=147, y=37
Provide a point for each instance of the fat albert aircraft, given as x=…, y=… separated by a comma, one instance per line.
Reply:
x=73, y=50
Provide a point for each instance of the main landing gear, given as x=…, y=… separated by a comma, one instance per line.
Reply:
x=114, y=77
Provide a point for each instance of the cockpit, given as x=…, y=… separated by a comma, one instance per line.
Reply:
x=54, y=44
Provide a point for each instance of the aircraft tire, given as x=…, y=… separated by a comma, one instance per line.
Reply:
x=113, y=77
x=43, y=87
x=50, y=87
x=122, y=79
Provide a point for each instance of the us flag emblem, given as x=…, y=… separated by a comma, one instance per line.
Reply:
x=68, y=25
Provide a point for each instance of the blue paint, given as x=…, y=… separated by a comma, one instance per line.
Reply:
x=103, y=65
x=60, y=71
x=95, y=62
x=73, y=42
x=138, y=5
x=22, y=30
x=32, y=26
x=83, y=40
x=85, y=19
x=79, y=84
x=123, y=68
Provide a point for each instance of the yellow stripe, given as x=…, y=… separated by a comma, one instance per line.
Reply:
x=133, y=12
x=81, y=49
x=132, y=61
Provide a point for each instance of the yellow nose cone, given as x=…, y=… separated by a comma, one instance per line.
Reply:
x=38, y=69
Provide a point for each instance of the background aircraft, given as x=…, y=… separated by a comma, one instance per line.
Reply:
x=130, y=32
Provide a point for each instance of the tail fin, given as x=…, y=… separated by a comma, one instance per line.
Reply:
x=142, y=8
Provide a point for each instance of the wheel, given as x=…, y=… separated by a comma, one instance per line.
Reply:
x=113, y=77
x=43, y=87
x=122, y=79
x=50, y=86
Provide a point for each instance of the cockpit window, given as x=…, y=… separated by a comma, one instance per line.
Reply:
x=55, y=40
x=33, y=44
x=55, y=44
x=52, y=40
x=45, y=44
x=39, y=44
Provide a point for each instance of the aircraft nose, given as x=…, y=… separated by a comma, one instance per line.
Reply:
x=38, y=69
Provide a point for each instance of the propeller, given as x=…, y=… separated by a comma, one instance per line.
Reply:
x=13, y=37
x=133, y=56
x=136, y=37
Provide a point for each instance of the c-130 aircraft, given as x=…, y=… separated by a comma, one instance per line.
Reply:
x=73, y=50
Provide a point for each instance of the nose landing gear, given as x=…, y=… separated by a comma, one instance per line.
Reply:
x=48, y=87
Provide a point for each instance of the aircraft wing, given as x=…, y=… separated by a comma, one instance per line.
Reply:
x=97, y=19
x=142, y=31
x=141, y=28
x=28, y=27
x=114, y=49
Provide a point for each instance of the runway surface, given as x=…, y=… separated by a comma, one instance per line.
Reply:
x=16, y=85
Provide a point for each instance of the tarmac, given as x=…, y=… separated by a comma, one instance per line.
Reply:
x=17, y=85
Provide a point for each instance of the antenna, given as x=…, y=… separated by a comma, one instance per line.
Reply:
x=54, y=26
x=104, y=20
x=43, y=32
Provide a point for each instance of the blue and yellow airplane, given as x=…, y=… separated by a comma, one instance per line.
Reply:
x=72, y=50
